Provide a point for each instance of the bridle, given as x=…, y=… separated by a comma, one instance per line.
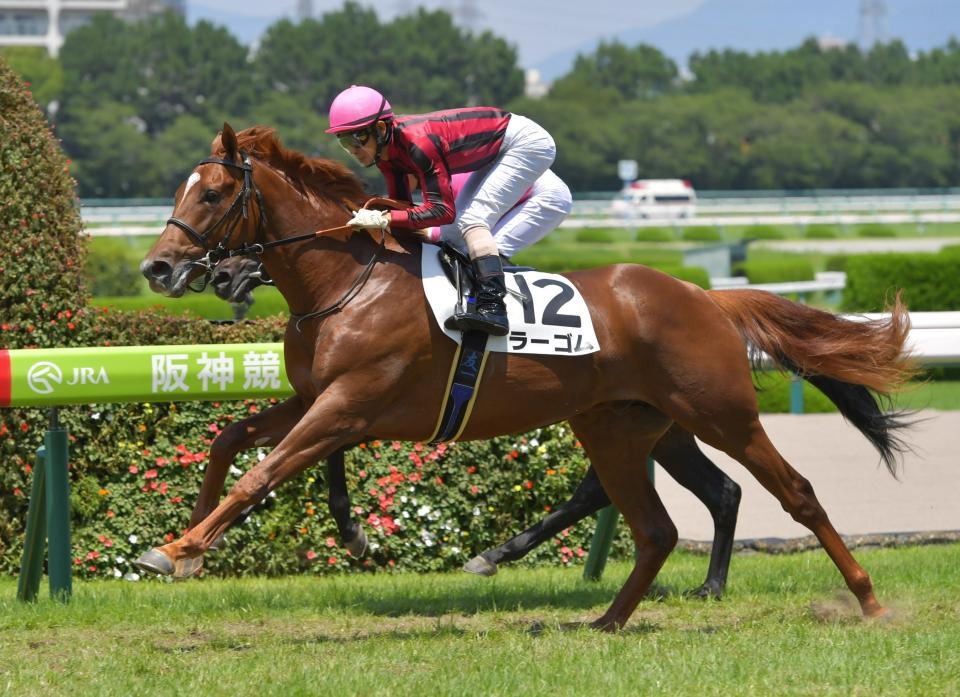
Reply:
x=214, y=255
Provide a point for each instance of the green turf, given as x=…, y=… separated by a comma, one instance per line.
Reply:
x=786, y=627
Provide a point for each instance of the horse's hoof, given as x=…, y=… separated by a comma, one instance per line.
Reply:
x=358, y=545
x=480, y=566
x=217, y=543
x=155, y=561
x=605, y=624
x=704, y=592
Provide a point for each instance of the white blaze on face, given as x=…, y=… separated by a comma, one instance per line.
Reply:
x=194, y=178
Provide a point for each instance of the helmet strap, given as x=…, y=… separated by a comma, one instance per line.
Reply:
x=382, y=140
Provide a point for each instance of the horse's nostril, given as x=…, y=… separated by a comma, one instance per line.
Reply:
x=158, y=270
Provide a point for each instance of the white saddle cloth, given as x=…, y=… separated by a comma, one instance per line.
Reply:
x=553, y=320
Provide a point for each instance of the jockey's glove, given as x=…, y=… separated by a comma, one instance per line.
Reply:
x=369, y=218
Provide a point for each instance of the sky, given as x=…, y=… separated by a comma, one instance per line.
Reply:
x=548, y=34
x=537, y=27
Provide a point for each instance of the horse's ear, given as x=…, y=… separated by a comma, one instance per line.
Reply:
x=228, y=139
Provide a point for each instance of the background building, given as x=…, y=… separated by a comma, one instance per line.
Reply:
x=46, y=22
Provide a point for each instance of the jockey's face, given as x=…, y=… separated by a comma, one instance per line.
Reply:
x=362, y=144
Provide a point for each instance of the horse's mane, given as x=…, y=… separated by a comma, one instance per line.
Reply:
x=326, y=178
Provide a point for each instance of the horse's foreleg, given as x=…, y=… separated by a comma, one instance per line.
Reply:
x=681, y=457
x=324, y=428
x=338, y=498
x=266, y=428
x=587, y=499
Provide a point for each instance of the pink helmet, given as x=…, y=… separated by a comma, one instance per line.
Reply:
x=356, y=107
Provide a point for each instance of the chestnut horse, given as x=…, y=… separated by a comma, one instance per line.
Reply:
x=366, y=359
x=235, y=278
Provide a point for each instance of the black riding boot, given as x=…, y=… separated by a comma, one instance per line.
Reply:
x=488, y=313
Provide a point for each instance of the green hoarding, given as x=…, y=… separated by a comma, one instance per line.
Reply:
x=51, y=377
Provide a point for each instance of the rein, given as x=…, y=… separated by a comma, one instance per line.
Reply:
x=220, y=253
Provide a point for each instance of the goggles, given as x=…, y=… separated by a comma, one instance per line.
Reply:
x=355, y=140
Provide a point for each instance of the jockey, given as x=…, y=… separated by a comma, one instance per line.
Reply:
x=507, y=152
x=541, y=209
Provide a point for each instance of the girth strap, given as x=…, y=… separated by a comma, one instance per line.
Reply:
x=462, y=387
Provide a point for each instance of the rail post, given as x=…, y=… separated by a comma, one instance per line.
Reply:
x=603, y=537
x=48, y=519
x=58, y=508
x=35, y=538
x=796, y=394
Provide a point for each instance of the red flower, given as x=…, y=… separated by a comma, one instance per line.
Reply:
x=528, y=484
x=311, y=555
x=331, y=560
x=331, y=542
x=162, y=462
x=133, y=469
x=168, y=537
x=150, y=474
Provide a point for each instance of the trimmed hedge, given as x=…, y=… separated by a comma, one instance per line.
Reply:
x=655, y=234
x=594, y=235
x=876, y=230
x=701, y=234
x=776, y=271
x=837, y=262
x=763, y=232
x=929, y=281
x=820, y=232
x=111, y=269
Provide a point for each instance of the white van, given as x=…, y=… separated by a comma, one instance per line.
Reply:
x=657, y=198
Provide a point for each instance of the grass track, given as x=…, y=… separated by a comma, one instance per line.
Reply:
x=786, y=627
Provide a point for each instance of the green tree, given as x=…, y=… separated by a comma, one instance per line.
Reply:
x=161, y=67
x=635, y=72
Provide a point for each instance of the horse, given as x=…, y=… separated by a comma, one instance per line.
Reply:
x=678, y=453
x=366, y=359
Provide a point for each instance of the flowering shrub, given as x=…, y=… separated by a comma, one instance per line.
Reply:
x=136, y=468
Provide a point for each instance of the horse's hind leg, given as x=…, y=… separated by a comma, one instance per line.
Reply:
x=588, y=498
x=607, y=432
x=747, y=442
x=681, y=457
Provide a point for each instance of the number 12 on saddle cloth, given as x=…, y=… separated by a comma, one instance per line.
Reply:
x=552, y=319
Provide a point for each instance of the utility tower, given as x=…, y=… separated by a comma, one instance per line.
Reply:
x=467, y=15
x=873, y=22
x=304, y=9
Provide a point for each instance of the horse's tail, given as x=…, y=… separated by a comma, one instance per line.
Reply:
x=851, y=362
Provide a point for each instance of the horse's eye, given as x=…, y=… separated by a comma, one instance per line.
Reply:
x=211, y=196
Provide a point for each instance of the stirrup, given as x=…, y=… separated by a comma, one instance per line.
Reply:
x=477, y=321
